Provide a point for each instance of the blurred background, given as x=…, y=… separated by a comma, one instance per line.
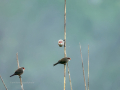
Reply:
x=33, y=27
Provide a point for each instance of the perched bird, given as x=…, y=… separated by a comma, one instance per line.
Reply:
x=63, y=61
x=19, y=71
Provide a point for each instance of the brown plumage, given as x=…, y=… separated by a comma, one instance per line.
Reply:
x=19, y=71
x=63, y=61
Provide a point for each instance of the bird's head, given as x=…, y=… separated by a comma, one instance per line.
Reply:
x=23, y=68
x=68, y=58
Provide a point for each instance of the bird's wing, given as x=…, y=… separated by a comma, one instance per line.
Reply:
x=62, y=61
x=18, y=71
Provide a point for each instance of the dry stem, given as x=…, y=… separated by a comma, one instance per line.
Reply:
x=64, y=76
x=19, y=76
x=3, y=83
x=88, y=67
x=17, y=59
x=65, y=43
x=82, y=67
x=69, y=77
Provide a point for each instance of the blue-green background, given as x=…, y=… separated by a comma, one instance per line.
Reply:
x=33, y=27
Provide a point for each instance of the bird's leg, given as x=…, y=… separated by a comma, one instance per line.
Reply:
x=19, y=76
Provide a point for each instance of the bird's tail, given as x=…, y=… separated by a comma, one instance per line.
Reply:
x=12, y=75
x=55, y=64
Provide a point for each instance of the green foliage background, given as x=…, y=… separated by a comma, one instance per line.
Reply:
x=33, y=27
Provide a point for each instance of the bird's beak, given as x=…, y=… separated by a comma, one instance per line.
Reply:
x=69, y=59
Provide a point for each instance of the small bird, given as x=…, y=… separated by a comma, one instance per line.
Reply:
x=63, y=61
x=19, y=71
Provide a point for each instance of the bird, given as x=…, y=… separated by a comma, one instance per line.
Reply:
x=63, y=61
x=18, y=72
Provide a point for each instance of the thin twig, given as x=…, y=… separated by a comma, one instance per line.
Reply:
x=3, y=83
x=21, y=83
x=82, y=67
x=69, y=77
x=65, y=31
x=17, y=59
x=88, y=67
x=19, y=76
x=64, y=43
x=64, y=76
